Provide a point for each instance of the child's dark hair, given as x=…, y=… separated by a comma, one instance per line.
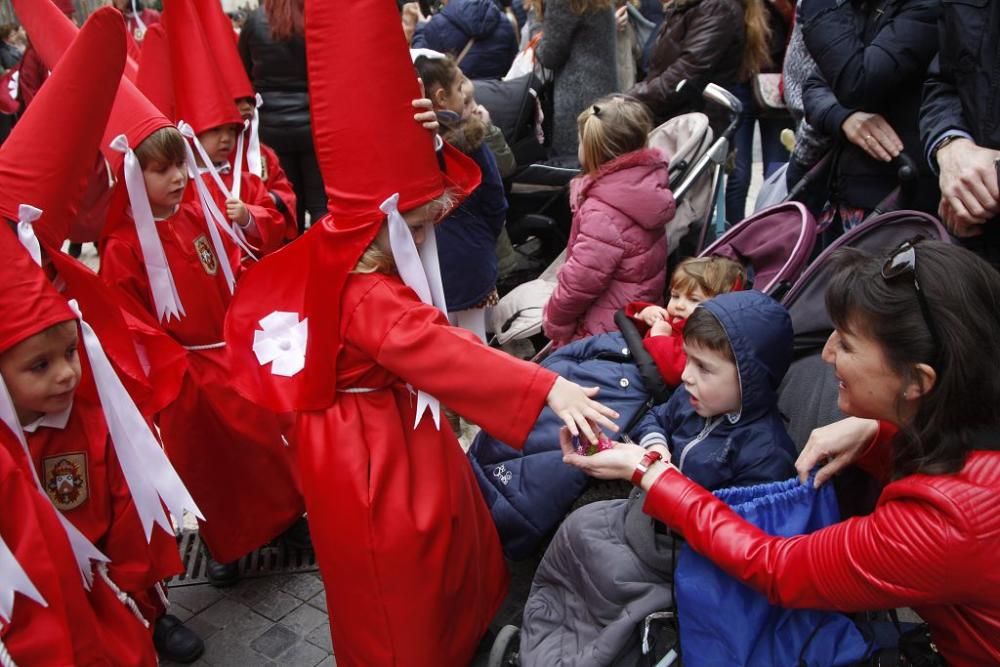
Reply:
x=712, y=275
x=440, y=72
x=704, y=329
x=963, y=301
x=165, y=146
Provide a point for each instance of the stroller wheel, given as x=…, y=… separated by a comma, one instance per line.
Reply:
x=505, y=648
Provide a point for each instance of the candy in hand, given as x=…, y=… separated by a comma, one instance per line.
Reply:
x=585, y=448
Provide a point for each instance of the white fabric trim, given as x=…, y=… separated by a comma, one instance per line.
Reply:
x=56, y=420
x=207, y=346
x=26, y=217
x=13, y=580
x=149, y=475
x=255, y=161
x=166, y=299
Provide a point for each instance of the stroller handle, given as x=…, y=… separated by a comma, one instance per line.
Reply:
x=720, y=97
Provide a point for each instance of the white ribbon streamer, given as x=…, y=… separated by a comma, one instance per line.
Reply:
x=213, y=216
x=26, y=216
x=255, y=162
x=149, y=475
x=138, y=20
x=238, y=165
x=83, y=550
x=420, y=270
x=13, y=579
x=166, y=299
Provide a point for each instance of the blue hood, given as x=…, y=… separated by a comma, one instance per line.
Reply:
x=760, y=333
x=475, y=18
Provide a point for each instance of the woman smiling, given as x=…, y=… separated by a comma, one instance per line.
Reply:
x=916, y=351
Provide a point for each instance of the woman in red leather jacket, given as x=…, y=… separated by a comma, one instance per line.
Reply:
x=916, y=352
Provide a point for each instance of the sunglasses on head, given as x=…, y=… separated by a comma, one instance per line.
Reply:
x=903, y=262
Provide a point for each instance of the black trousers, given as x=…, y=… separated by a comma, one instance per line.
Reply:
x=295, y=150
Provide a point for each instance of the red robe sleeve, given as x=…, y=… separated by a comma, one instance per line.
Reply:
x=122, y=268
x=281, y=190
x=269, y=225
x=906, y=553
x=502, y=394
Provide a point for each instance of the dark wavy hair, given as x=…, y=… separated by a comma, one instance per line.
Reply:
x=963, y=296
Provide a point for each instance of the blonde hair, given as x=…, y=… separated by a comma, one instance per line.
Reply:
x=756, y=49
x=377, y=257
x=711, y=275
x=612, y=126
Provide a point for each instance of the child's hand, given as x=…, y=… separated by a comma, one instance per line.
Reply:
x=482, y=113
x=661, y=328
x=653, y=314
x=238, y=212
x=427, y=117
x=576, y=407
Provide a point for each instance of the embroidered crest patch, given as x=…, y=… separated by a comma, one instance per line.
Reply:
x=65, y=479
x=205, y=254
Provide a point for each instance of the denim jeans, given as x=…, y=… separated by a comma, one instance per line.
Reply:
x=774, y=154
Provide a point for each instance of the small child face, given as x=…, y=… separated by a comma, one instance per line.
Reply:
x=682, y=304
x=42, y=372
x=165, y=185
x=245, y=106
x=712, y=380
x=468, y=94
x=454, y=97
x=219, y=142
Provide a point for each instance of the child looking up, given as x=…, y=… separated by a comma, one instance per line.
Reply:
x=621, y=203
x=695, y=280
x=467, y=238
x=721, y=428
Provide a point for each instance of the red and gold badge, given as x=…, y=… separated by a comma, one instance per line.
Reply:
x=205, y=254
x=65, y=479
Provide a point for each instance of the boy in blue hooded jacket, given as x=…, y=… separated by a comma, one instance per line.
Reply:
x=608, y=564
x=722, y=426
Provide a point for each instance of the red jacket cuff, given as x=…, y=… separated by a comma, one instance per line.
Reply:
x=876, y=460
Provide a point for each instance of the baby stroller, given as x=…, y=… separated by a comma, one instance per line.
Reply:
x=805, y=397
x=529, y=491
x=696, y=178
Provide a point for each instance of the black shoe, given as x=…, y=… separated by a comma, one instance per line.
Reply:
x=297, y=535
x=175, y=642
x=75, y=250
x=222, y=575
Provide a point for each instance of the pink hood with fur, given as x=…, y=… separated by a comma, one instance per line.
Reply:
x=617, y=249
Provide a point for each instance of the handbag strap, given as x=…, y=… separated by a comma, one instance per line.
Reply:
x=465, y=50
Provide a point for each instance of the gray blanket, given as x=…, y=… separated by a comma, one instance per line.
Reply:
x=580, y=614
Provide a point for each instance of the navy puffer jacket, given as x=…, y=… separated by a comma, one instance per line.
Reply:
x=461, y=20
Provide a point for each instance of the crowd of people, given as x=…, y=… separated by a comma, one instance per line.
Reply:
x=300, y=213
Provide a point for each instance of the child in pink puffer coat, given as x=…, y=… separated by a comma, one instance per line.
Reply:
x=621, y=205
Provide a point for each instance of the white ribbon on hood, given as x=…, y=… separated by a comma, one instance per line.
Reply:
x=138, y=20
x=13, y=579
x=83, y=550
x=166, y=299
x=26, y=216
x=214, y=219
x=421, y=271
x=149, y=475
x=255, y=162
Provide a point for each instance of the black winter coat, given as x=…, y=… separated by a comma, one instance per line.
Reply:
x=872, y=56
x=700, y=41
x=278, y=72
x=963, y=88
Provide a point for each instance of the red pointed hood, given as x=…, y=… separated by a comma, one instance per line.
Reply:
x=202, y=97
x=221, y=37
x=48, y=157
x=155, y=77
x=29, y=302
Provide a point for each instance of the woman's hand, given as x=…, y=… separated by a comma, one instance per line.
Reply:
x=617, y=463
x=873, y=134
x=970, y=193
x=411, y=16
x=835, y=447
x=576, y=407
x=621, y=18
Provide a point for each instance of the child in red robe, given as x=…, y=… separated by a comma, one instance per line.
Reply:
x=346, y=326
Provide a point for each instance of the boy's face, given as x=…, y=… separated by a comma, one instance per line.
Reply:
x=682, y=304
x=42, y=372
x=165, y=185
x=468, y=94
x=712, y=381
x=219, y=142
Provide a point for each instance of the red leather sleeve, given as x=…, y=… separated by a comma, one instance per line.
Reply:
x=877, y=458
x=909, y=551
